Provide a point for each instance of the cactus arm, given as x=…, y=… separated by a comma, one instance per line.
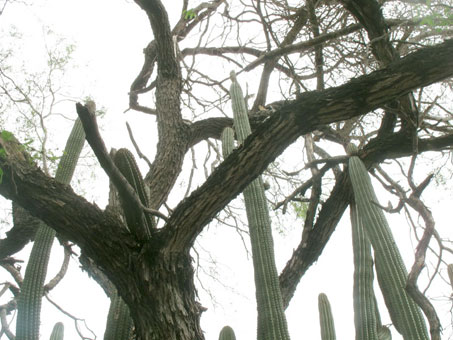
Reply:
x=390, y=268
x=227, y=333
x=119, y=322
x=139, y=223
x=272, y=323
x=29, y=301
x=365, y=309
x=57, y=332
x=326, y=318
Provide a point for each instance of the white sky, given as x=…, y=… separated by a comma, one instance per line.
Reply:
x=110, y=36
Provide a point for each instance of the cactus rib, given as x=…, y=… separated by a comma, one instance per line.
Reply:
x=29, y=302
x=325, y=318
x=272, y=323
x=390, y=268
x=139, y=223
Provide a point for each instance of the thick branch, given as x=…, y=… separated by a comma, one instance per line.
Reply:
x=98, y=234
x=298, y=117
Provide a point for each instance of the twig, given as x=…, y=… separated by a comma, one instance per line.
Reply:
x=76, y=319
x=140, y=154
x=5, y=325
x=304, y=187
x=6, y=286
x=10, y=268
x=333, y=161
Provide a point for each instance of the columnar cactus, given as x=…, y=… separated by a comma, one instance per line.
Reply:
x=227, y=333
x=57, y=332
x=119, y=322
x=32, y=289
x=272, y=323
x=390, y=268
x=139, y=224
x=365, y=309
x=325, y=318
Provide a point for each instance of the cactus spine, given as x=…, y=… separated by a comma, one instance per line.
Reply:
x=227, y=333
x=32, y=289
x=271, y=317
x=326, y=318
x=140, y=224
x=390, y=268
x=57, y=332
x=119, y=322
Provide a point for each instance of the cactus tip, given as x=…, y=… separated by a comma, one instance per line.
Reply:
x=352, y=149
x=233, y=76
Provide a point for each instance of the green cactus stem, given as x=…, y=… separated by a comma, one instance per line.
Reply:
x=57, y=332
x=325, y=318
x=272, y=323
x=390, y=269
x=365, y=309
x=139, y=224
x=227, y=333
x=227, y=139
x=32, y=289
x=119, y=322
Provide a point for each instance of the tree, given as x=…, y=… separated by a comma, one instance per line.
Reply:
x=311, y=48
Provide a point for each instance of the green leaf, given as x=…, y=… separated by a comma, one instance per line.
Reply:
x=189, y=14
x=300, y=208
x=6, y=135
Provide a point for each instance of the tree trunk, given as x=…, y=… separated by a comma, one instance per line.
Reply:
x=164, y=305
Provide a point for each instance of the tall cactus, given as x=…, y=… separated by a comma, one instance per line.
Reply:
x=140, y=224
x=32, y=289
x=326, y=318
x=57, y=332
x=272, y=323
x=227, y=333
x=390, y=268
x=119, y=322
